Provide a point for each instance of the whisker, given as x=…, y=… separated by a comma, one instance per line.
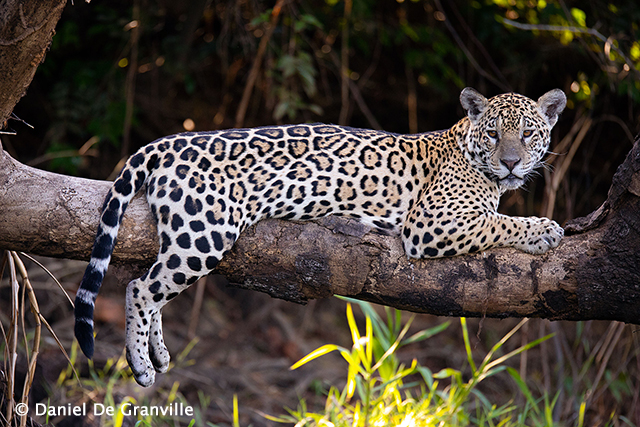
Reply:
x=553, y=153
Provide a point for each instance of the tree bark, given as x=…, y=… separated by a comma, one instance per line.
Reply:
x=593, y=274
x=26, y=30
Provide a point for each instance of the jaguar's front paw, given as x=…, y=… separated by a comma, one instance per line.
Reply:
x=543, y=236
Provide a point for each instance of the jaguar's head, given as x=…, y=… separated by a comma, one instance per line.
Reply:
x=509, y=134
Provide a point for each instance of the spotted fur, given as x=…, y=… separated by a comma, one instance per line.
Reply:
x=438, y=190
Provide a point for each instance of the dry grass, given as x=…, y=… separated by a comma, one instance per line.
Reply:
x=22, y=293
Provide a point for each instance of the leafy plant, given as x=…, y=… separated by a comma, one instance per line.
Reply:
x=381, y=391
x=294, y=72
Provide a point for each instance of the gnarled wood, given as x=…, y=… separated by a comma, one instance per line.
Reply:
x=593, y=274
x=26, y=30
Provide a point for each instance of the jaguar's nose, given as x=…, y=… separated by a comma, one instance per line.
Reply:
x=510, y=162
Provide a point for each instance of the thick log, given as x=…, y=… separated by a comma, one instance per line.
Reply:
x=593, y=274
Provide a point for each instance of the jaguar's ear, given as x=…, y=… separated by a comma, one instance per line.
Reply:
x=473, y=102
x=551, y=104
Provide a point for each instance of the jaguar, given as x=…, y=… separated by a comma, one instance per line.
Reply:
x=439, y=191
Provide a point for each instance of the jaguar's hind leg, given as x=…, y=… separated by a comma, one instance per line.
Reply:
x=169, y=276
x=139, y=316
x=146, y=351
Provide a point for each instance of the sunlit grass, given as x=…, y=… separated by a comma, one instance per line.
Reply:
x=112, y=385
x=381, y=391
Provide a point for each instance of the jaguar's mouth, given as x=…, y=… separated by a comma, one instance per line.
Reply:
x=511, y=181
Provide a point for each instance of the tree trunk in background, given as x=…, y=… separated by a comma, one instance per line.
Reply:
x=26, y=30
x=593, y=274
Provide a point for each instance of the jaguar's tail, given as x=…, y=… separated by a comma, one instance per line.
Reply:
x=129, y=182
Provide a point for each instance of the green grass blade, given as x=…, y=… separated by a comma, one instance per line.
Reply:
x=583, y=408
x=353, y=327
x=524, y=389
x=320, y=351
x=381, y=330
x=395, y=345
x=515, y=352
x=467, y=344
x=236, y=412
x=426, y=333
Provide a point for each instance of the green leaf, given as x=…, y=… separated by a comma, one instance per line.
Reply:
x=467, y=344
x=380, y=330
x=321, y=351
x=280, y=110
x=524, y=389
x=263, y=18
x=426, y=333
x=579, y=16
x=446, y=373
x=353, y=327
x=316, y=109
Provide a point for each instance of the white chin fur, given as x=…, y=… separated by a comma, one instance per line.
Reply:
x=511, y=183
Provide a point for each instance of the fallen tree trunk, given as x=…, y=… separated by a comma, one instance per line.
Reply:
x=593, y=274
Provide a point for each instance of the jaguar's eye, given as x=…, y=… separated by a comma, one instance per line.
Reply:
x=527, y=133
x=492, y=134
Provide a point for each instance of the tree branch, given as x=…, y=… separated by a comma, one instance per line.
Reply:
x=593, y=274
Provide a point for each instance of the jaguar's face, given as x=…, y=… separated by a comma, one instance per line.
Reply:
x=510, y=133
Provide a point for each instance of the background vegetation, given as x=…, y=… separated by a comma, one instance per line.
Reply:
x=119, y=75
